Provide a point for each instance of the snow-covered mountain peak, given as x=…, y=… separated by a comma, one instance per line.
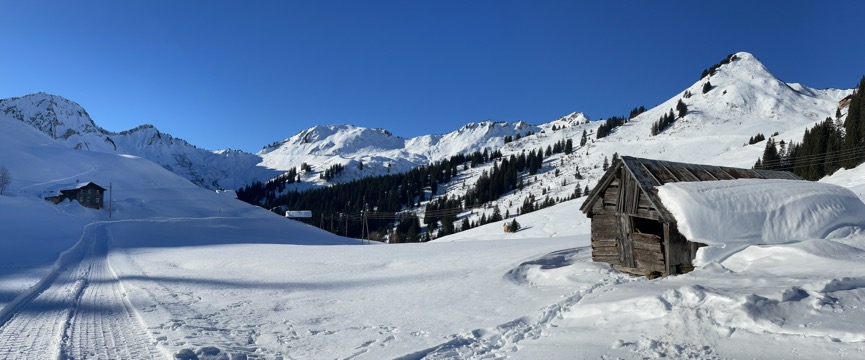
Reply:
x=56, y=116
x=488, y=126
x=574, y=118
x=334, y=140
x=67, y=123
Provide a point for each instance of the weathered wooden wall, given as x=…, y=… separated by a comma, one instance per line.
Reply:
x=605, y=231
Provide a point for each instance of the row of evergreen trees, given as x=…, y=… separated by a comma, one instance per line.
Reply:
x=663, y=123
x=389, y=193
x=333, y=171
x=828, y=146
x=616, y=121
x=509, y=138
x=756, y=138
x=711, y=70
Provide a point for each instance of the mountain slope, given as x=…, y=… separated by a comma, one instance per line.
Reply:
x=379, y=151
x=68, y=123
x=742, y=100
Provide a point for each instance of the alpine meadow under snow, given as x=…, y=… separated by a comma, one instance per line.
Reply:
x=176, y=269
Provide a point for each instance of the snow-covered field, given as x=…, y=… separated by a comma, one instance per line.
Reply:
x=177, y=271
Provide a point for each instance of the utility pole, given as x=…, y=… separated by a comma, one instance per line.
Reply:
x=110, y=199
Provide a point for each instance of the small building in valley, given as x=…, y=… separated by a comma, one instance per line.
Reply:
x=631, y=228
x=88, y=194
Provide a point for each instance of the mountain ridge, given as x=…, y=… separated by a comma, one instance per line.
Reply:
x=742, y=92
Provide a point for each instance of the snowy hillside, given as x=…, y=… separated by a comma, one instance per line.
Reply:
x=69, y=124
x=745, y=99
x=176, y=271
x=379, y=151
x=179, y=271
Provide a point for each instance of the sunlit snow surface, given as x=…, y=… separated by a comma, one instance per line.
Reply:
x=178, y=270
x=730, y=215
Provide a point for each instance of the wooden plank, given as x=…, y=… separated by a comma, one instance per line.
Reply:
x=633, y=196
x=701, y=174
x=719, y=173
x=644, y=201
x=611, y=196
x=676, y=249
x=660, y=172
x=649, y=261
x=651, y=266
x=604, y=252
x=654, y=256
x=682, y=173
x=647, y=238
x=597, y=207
x=648, y=214
x=626, y=246
x=644, y=247
x=603, y=242
x=741, y=173
x=623, y=188
x=651, y=274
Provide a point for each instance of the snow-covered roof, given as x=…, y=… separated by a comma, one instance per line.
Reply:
x=650, y=174
x=729, y=215
x=55, y=190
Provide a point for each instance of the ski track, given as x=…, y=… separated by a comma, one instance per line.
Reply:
x=188, y=329
x=78, y=311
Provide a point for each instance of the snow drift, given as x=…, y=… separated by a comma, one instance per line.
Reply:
x=729, y=215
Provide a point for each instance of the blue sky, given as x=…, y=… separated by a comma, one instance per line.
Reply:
x=243, y=74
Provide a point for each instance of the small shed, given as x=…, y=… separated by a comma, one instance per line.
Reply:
x=88, y=194
x=298, y=214
x=631, y=228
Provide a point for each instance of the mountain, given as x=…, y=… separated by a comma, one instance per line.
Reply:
x=69, y=124
x=717, y=117
x=320, y=147
x=742, y=99
x=379, y=151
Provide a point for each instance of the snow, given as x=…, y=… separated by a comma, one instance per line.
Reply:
x=176, y=269
x=729, y=215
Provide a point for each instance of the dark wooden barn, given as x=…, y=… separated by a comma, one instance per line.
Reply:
x=631, y=228
x=88, y=194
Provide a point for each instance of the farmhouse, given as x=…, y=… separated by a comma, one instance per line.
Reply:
x=631, y=228
x=88, y=194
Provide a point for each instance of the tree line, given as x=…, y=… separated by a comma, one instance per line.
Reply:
x=826, y=147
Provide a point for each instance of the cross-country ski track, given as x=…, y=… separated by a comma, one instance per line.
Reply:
x=78, y=311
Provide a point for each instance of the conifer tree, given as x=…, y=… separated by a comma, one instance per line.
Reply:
x=681, y=108
x=854, y=126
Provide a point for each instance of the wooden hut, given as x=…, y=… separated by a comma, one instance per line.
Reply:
x=88, y=194
x=631, y=229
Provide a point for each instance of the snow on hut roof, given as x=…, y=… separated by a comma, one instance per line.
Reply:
x=653, y=173
x=55, y=190
x=733, y=214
